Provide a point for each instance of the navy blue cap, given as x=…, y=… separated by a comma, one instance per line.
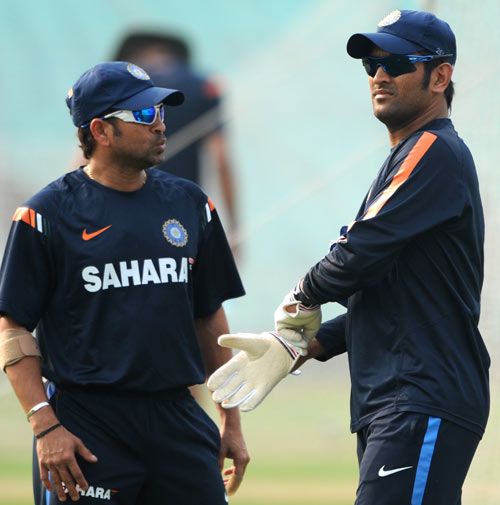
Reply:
x=115, y=85
x=406, y=32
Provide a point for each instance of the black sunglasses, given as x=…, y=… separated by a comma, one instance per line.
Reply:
x=397, y=64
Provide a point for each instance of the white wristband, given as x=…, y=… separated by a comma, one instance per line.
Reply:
x=36, y=408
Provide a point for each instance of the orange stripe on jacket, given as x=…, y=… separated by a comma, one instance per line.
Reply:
x=33, y=218
x=411, y=161
x=404, y=172
x=211, y=205
x=23, y=214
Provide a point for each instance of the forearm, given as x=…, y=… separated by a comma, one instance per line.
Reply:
x=208, y=330
x=332, y=337
x=26, y=379
x=334, y=278
x=229, y=418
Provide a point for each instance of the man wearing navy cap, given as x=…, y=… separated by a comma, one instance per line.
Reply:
x=122, y=269
x=409, y=270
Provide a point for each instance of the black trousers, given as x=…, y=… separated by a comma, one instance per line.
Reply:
x=409, y=458
x=158, y=449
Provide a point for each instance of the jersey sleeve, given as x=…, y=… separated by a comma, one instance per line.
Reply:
x=25, y=274
x=215, y=275
x=425, y=192
x=331, y=336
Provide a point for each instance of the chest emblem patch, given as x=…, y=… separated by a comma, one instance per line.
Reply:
x=175, y=233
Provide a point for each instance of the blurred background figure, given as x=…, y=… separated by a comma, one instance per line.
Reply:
x=197, y=146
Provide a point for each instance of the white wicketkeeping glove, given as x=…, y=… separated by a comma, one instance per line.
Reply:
x=299, y=326
x=246, y=379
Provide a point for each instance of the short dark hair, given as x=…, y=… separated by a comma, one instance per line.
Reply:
x=87, y=140
x=137, y=41
x=429, y=66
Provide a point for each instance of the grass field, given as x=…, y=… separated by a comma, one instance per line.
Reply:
x=302, y=452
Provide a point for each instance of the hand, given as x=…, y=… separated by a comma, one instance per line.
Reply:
x=297, y=323
x=56, y=454
x=247, y=378
x=233, y=447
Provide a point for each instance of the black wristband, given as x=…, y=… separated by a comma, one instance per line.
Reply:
x=47, y=431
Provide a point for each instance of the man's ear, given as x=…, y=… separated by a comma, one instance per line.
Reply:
x=102, y=131
x=441, y=77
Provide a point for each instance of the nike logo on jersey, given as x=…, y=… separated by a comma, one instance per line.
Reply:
x=135, y=273
x=384, y=473
x=90, y=236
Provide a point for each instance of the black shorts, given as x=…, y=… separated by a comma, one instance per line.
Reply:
x=409, y=458
x=159, y=449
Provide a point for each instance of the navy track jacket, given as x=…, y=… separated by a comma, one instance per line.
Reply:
x=411, y=267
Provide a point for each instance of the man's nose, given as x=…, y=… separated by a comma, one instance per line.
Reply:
x=158, y=126
x=381, y=74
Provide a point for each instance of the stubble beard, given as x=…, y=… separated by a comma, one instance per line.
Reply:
x=395, y=117
x=132, y=161
x=135, y=160
x=398, y=114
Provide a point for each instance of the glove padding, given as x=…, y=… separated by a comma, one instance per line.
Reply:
x=246, y=379
x=299, y=326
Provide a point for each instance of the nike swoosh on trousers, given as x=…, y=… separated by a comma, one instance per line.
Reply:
x=384, y=473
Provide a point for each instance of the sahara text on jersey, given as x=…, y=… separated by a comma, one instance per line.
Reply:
x=135, y=273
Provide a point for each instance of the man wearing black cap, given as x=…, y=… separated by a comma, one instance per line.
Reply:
x=409, y=269
x=122, y=270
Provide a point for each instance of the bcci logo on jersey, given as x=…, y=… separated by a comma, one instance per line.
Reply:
x=175, y=233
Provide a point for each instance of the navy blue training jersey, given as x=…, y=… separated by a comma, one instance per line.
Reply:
x=411, y=266
x=113, y=280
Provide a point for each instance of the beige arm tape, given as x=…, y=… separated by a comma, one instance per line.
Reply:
x=15, y=344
